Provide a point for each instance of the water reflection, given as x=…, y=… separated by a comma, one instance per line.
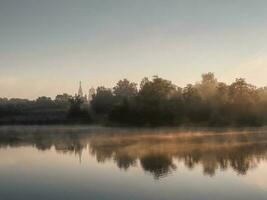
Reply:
x=153, y=150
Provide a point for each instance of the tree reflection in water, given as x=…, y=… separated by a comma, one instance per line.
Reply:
x=157, y=164
x=154, y=151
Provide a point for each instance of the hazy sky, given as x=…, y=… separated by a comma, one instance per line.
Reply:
x=47, y=46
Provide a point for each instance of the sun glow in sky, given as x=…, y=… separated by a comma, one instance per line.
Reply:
x=46, y=47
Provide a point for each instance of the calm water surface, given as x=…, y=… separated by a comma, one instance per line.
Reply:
x=109, y=163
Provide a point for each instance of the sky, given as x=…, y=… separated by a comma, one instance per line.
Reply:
x=47, y=47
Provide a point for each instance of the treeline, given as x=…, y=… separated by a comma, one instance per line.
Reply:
x=158, y=102
x=43, y=110
x=155, y=102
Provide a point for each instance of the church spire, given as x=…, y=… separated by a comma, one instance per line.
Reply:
x=80, y=91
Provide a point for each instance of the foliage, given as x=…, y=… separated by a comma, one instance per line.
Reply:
x=103, y=100
x=125, y=89
x=209, y=102
x=43, y=110
x=157, y=102
x=76, y=110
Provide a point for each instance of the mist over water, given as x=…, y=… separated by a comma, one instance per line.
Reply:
x=56, y=162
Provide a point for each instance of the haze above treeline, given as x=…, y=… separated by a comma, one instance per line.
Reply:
x=155, y=102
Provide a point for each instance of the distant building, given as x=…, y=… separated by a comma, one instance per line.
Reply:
x=86, y=98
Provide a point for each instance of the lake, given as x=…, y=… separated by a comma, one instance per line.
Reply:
x=97, y=163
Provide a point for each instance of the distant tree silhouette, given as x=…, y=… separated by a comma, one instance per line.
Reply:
x=244, y=101
x=43, y=110
x=157, y=102
x=63, y=98
x=76, y=111
x=124, y=109
x=125, y=89
x=103, y=101
x=209, y=102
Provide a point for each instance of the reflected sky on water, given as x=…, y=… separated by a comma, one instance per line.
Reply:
x=111, y=163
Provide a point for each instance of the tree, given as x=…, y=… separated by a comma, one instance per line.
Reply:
x=103, y=101
x=63, y=98
x=155, y=101
x=262, y=104
x=244, y=100
x=208, y=86
x=44, y=100
x=242, y=93
x=76, y=111
x=125, y=89
x=193, y=104
x=220, y=108
x=207, y=90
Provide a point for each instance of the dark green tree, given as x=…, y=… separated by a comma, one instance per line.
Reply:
x=103, y=101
